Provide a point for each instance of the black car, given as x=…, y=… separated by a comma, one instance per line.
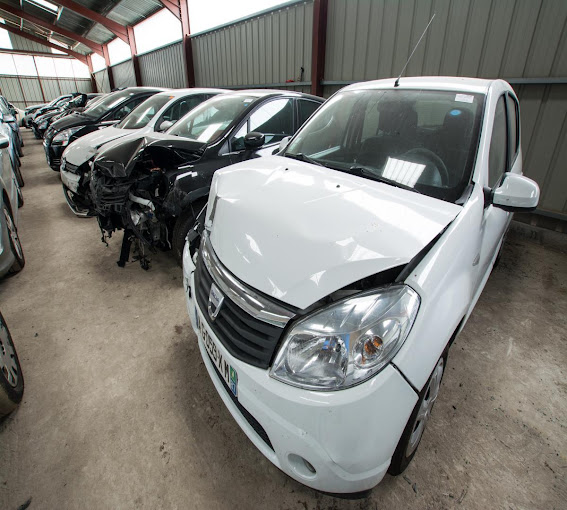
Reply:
x=32, y=110
x=42, y=121
x=109, y=110
x=154, y=186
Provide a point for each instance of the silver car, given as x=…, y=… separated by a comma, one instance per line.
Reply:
x=11, y=253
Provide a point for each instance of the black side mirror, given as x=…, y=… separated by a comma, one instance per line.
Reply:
x=254, y=140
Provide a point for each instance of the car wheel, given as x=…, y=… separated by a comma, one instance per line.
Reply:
x=182, y=226
x=11, y=377
x=411, y=437
x=15, y=243
x=20, y=198
x=19, y=176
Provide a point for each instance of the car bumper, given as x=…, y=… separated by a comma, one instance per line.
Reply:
x=53, y=155
x=347, y=436
x=6, y=256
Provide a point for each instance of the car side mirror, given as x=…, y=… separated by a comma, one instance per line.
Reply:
x=283, y=143
x=254, y=140
x=516, y=193
x=165, y=125
x=9, y=118
x=4, y=142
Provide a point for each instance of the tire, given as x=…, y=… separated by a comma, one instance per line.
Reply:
x=182, y=226
x=20, y=198
x=15, y=244
x=11, y=377
x=413, y=432
x=19, y=176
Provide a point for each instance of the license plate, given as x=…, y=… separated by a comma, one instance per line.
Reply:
x=227, y=372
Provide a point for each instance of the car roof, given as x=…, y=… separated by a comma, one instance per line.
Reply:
x=175, y=93
x=259, y=93
x=453, y=83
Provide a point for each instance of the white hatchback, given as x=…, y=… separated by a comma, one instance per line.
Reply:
x=333, y=277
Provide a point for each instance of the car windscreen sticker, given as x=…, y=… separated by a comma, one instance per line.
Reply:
x=464, y=98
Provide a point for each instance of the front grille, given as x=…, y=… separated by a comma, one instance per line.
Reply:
x=70, y=167
x=253, y=422
x=245, y=337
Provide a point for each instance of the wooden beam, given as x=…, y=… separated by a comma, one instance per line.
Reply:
x=79, y=56
x=187, y=47
x=134, y=51
x=116, y=28
x=108, y=68
x=320, y=10
x=49, y=26
x=91, y=71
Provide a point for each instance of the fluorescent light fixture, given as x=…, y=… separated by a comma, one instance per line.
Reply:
x=44, y=4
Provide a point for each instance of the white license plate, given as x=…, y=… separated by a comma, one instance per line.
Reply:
x=227, y=372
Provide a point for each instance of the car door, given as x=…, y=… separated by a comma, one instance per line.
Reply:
x=273, y=118
x=504, y=156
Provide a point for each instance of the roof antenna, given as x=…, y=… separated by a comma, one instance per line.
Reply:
x=397, y=82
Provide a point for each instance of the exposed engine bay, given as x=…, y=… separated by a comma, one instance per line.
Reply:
x=131, y=184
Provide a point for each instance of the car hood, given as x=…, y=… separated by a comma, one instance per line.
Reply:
x=84, y=148
x=299, y=232
x=70, y=121
x=118, y=158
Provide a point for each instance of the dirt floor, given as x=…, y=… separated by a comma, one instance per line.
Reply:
x=119, y=411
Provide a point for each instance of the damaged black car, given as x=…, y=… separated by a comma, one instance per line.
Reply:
x=153, y=187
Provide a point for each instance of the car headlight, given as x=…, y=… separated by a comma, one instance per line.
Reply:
x=62, y=138
x=349, y=341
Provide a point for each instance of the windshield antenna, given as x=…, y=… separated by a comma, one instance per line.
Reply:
x=397, y=82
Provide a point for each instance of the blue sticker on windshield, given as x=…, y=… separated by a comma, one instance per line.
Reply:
x=455, y=112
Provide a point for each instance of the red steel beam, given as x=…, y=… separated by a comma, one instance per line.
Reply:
x=45, y=42
x=134, y=51
x=116, y=28
x=91, y=71
x=108, y=68
x=187, y=47
x=320, y=10
x=172, y=6
x=49, y=26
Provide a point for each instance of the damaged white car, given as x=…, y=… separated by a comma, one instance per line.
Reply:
x=332, y=278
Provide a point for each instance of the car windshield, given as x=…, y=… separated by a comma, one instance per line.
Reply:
x=421, y=140
x=107, y=103
x=143, y=113
x=211, y=119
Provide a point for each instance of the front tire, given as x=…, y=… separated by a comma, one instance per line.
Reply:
x=413, y=432
x=11, y=377
x=15, y=243
x=182, y=226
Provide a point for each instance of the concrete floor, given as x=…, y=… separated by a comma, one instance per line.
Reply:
x=119, y=411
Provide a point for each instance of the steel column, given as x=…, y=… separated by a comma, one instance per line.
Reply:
x=134, y=51
x=93, y=79
x=320, y=10
x=108, y=68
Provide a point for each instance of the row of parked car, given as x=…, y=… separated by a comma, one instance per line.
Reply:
x=11, y=253
x=331, y=251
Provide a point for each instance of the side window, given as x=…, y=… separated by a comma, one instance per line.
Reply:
x=514, y=126
x=498, y=145
x=274, y=119
x=305, y=109
x=127, y=108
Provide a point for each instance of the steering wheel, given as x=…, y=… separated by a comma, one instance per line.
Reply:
x=432, y=158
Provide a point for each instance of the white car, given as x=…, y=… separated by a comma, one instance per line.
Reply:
x=156, y=114
x=332, y=278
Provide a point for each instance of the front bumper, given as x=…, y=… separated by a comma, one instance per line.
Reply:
x=53, y=154
x=347, y=436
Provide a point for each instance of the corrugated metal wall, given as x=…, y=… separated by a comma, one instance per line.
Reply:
x=123, y=74
x=510, y=39
x=23, y=44
x=24, y=91
x=268, y=49
x=164, y=67
x=101, y=78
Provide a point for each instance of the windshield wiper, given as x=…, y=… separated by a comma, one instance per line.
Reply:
x=302, y=157
x=369, y=173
